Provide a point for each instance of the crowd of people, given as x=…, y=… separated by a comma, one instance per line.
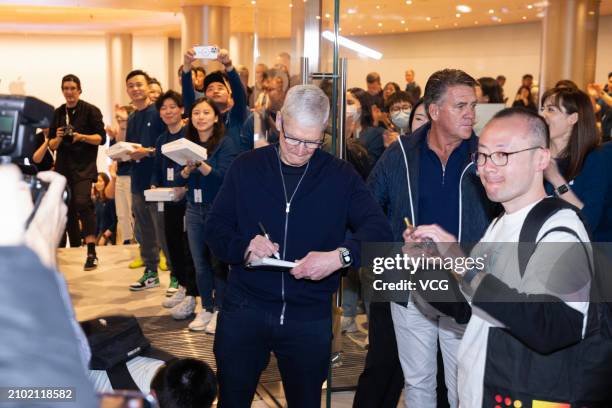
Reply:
x=415, y=173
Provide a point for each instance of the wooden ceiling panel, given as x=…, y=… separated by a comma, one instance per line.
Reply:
x=269, y=18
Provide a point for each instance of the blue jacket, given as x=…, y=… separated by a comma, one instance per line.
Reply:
x=235, y=117
x=398, y=196
x=593, y=186
x=372, y=139
x=220, y=160
x=330, y=198
x=161, y=163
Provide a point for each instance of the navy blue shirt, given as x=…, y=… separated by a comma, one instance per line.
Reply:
x=220, y=161
x=439, y=192
x=123, y=168
x=106, y=217
x=163, y=166
x=143, y=127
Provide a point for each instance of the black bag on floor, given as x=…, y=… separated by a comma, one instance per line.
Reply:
x=114, y=340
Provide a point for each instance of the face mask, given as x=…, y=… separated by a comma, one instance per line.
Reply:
x=353, y=113
x=400, y=119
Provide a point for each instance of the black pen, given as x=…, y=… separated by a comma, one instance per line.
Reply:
x=263, y=231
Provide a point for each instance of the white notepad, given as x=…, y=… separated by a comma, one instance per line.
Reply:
x=121, y=150
x=272, y=262
x=182, y=150
x=160, y=194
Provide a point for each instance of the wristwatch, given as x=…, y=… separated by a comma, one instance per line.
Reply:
x=562, y=189
x=345, y=257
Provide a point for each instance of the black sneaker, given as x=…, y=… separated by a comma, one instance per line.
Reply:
x=91, y=263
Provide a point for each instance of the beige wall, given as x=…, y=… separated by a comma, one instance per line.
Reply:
x=42, y=60
x=511, y=50
x=151, y=54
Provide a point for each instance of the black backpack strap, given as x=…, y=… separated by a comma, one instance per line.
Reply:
x=534, y=221
x=120, y=378
x=158, y=354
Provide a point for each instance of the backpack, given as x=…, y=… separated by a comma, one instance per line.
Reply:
x=576, y=376
x=115, y=340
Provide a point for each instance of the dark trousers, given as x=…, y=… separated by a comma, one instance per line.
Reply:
x=80, y=208
x=178, y=247
x=243, y=342
x=382, y=381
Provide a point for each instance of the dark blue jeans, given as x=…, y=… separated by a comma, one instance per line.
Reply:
x=243, y=342
x=207, y=282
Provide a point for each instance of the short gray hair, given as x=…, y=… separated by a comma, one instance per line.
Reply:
x=306, y=105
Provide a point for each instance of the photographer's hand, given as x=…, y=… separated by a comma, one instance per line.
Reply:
x=15, y=206
x=49, y=222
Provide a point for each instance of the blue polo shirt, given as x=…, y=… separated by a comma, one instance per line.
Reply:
x=439, y=187
x=143, y=127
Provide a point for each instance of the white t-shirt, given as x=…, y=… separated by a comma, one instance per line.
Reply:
x=503, y=263
x=142, y=370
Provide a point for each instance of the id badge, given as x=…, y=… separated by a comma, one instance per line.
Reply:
x=170, y=174
x=197, y=195
x=160, y=206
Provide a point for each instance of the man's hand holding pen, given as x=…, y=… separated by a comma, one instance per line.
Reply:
x=261, y=246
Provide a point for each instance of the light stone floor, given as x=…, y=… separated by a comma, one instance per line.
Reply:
x=105, y=291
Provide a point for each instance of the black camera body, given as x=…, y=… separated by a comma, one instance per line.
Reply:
x=20, y=116
x=69, y=131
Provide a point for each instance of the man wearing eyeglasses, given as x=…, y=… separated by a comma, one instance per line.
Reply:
x=520, y=316
x=428, y=178
x=291, y=201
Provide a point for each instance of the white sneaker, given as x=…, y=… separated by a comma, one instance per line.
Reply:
x=201, y=321
x=175, y=299
x=211, y=327
x=184, y=309
x=347, y=325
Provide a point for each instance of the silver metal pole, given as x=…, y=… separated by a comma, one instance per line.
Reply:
x=304, y=69
x=342, y=110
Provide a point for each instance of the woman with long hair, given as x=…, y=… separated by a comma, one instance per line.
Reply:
x=578, y=167
x=524, y=99
x=103, y=194
x=203, y=180
x=360, y=123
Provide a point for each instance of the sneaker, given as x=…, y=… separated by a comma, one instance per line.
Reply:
x=175, y=299
x=184, y=309
x=173, y=287
x=149, y=279
x=211, y=327
x=201, y=321
x=91, y=263
x=136, y=263
x=347, y=325
x=163, y=263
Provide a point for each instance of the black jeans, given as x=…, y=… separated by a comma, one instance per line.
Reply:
x=243, y=342
x=80, y=208
x=178, y=246
x=382, y=381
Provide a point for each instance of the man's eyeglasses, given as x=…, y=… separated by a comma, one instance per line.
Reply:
x=292, y=141
x=498, y=158
x=397, y=109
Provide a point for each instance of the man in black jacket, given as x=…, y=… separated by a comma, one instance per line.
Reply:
x=296, y=201
x=75, y=133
